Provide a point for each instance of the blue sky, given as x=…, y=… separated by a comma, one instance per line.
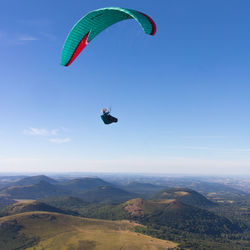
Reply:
x=182, y=97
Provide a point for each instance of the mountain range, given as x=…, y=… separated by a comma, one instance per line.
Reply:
x=168, y=213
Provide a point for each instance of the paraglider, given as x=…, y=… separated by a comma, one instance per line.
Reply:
x=107, y=118
x=88, y=27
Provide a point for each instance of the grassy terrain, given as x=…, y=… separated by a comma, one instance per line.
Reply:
x=169, y=213
x=47, y=230
x=29, y=206
x=185, y=195
x=191, y=227
x=218, y=220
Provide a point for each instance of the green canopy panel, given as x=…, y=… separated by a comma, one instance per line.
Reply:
x=88, y=27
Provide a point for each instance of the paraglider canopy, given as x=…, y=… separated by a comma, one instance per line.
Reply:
x=88, y=27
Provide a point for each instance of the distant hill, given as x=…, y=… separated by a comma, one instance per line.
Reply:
x=98, y=210
x=33, y=180
x=218, y=190
x=29, y=206
x=186, y=196
x=88, y=189
x=107, y=194
x=180, y=216
x=95, y=190
x=144, y=189
x=5, y=201
x=164, y=213
x=66, y=203
x=39, y=190
x=140, y=207
x=80, y=185
x=5, y=180
x=46, y=230
x=205, y=187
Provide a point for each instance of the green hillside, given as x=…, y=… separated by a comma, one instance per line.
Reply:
x=34, y=180
x=143, y=189
x=34, y=191
x=80, y=185
x=185, y=195
x=107, y=194
x=67, y=203
x=50, y=231
x=192, y=219
x=5, y=201
x=88, y=189
x=29, y=206
x=175, y=214
x=169, y=213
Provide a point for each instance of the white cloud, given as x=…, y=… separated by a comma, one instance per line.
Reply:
x=15, y=38
x=27, y=38
x=40, y=132
x=60, y=140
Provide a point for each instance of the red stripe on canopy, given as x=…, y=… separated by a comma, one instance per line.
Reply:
x=78, y=49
